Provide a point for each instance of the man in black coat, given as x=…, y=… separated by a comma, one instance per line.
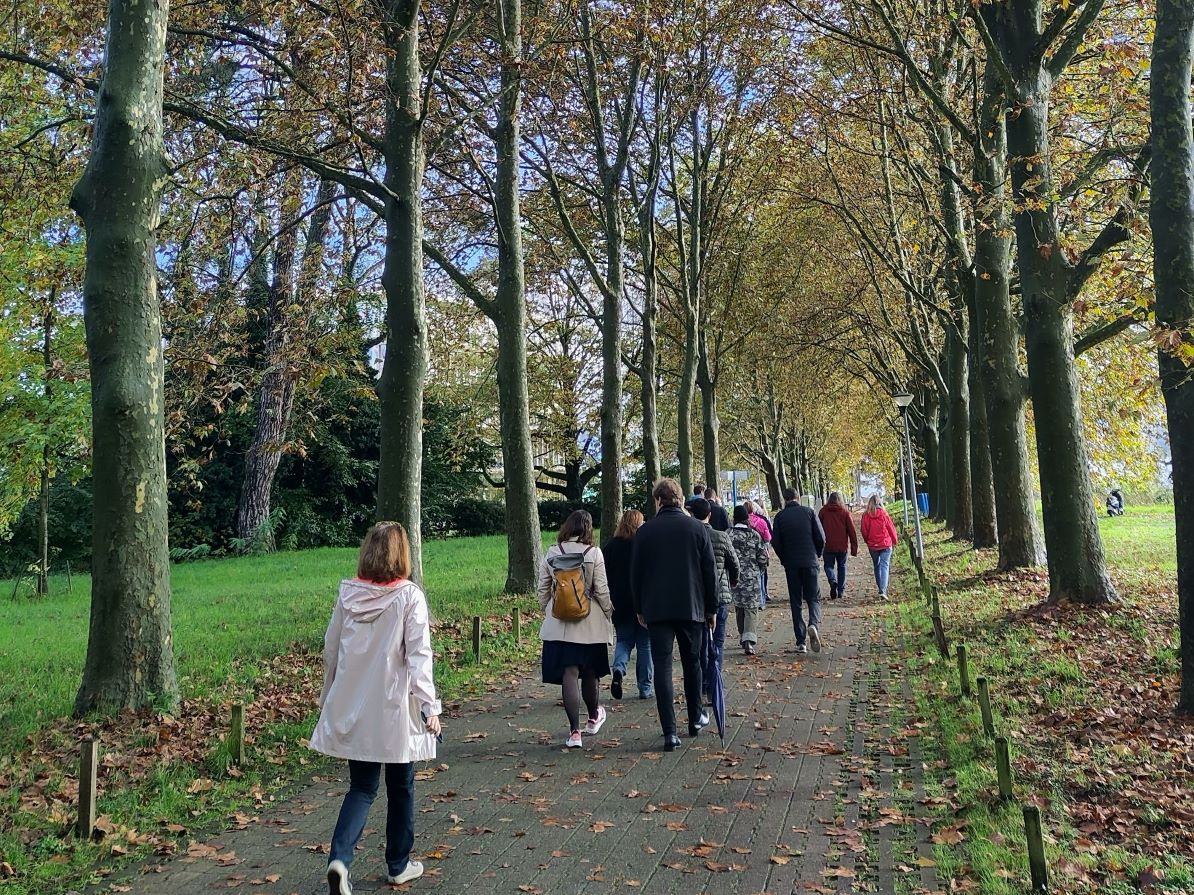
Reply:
x=673, y=581
x=718, y=518
x=798, y=540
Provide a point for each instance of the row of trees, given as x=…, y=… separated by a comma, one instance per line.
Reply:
x=580, y=222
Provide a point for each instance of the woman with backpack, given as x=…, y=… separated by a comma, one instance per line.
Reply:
x=577, y=628
x=879, y=533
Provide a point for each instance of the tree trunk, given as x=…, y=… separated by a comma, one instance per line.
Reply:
x=961, y=520
x=611, y=363
x=648, y=388
x=1172, y=219
x=930, y=444
x=522, y=512
x=130, y=657
x=684, y=395
x=400, y=388
x=943, y=508
x=1019, y=542
x=42, y=587
x=982, y=488
x=275, y=398
x=1077, y=565
x=710, y=424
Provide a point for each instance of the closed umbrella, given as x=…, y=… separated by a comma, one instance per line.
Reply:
x=717, y=692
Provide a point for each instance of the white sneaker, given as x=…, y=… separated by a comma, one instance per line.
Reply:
x=594, y=724
x=338, y=879
x=414, y=869
x=882, y=595
x=574, y=741
x=814, y=638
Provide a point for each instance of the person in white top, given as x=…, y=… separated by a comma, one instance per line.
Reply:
x=576, y=653
x=378, y=707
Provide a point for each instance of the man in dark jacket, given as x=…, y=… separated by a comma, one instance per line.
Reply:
x=798, y=540
x=718, y=518
x=673, y=580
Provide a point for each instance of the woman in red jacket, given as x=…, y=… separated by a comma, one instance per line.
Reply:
x=879, y=533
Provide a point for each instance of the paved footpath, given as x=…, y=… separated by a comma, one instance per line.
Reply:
x=803, y=797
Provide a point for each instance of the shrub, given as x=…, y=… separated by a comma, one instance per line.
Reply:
x=553, y=513
x=472, y=517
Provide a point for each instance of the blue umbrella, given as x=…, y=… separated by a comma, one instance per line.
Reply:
x=717, y=692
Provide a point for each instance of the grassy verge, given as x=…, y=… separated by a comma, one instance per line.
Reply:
x=1086, y=698
x=247, y=630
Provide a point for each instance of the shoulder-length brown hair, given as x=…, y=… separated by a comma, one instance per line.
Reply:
x=385, y=554
x=579, y=526
x=630, y=522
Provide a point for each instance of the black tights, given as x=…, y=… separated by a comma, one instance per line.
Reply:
x=573, y=694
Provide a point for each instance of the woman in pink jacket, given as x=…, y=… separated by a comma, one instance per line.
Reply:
x=879, y=533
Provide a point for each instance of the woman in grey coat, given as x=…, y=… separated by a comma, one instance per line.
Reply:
x=752, y=563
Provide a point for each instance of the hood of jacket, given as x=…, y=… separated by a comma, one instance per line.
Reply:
x=835, y=508
x=365, y=601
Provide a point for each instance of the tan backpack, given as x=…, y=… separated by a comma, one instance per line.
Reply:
x=570, y=595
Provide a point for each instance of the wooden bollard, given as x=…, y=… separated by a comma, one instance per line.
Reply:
x=1003, y=768
x=88, y=771
x=517, y=625
x=984, y=706
x=477, y=637
x=1036, y=848
x=963, y=669
x=236, y=734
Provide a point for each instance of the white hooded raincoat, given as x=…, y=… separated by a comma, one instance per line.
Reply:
x=377, y=676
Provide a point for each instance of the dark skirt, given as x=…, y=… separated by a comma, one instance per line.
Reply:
x=590, y=658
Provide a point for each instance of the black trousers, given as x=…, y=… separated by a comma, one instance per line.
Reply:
x=690, y=636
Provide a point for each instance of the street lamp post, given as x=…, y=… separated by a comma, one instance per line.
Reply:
x=902, y=400
x=904, y=486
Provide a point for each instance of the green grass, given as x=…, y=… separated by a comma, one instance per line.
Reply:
x=229, y=617
x=1143, y=537
x=1140, y=551
x=226, y=614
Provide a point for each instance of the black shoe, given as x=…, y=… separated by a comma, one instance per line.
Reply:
x=671, y=743
x=748, y=648
x=833, y=591
x=615, y=686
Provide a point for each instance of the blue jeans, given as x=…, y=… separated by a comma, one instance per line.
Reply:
x=882, y=561
x=835, y=570
x=804, y=587
x=363, y=778
x=632, y=635
x=763, y=586
x=711, y=657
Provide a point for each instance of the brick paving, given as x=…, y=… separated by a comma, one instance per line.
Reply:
x=801, y=799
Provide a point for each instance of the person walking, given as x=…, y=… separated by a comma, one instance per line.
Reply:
x=673, y=580
x=879, y=533
x=378, y=707
x=725, y=563
x=798, y=541
x=757, y=519
x=576, y=649
x=719, y=520
x=630, y=635
x=840, y=536
x=752, y=563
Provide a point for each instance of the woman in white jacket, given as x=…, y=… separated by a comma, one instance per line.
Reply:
x=378, y=707
x=576, y=653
